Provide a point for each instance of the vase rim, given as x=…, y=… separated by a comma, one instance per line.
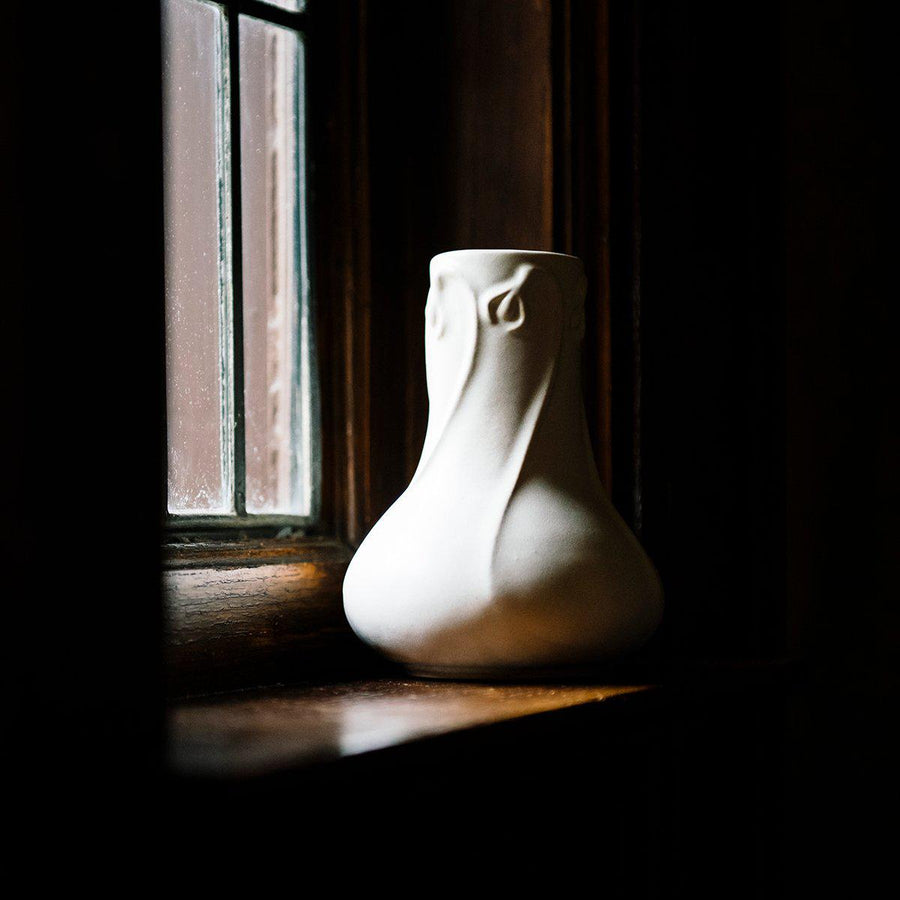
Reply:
x=505, y=252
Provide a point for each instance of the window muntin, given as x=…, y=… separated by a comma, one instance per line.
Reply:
x=241, y=400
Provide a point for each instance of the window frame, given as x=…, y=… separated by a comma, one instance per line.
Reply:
x=240, y=522
x=263, y=600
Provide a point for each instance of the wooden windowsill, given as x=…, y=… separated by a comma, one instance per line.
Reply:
x=288, y=729
x=265, y=732
x=255, y=612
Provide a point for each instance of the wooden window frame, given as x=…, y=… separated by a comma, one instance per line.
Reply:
x=247, y=607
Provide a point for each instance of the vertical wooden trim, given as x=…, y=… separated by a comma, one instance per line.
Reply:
x=601, y=201
x=623, y=197
x=561, y=104
x=357, y=314
x=550, y=111
x=340, y=212
x=581, y=202
x=637, y=486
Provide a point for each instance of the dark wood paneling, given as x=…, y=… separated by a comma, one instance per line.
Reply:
x=499, y=125
x=339, y=216
x=711, y=318
x=461, y=155
x=488, y=127
x=624, y=223
x=582, y=201
x=406, y=78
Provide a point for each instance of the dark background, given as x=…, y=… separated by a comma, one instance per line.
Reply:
x=748, y=270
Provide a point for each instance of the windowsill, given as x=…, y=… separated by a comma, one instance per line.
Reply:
x=286, y=729
x=279, y=729
x=255, y=612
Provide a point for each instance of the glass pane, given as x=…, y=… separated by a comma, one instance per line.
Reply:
x=196, y=294
x=277, y=405
x=290, y=5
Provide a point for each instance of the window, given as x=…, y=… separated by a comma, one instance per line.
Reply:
x=242, y=411
x=268, y=356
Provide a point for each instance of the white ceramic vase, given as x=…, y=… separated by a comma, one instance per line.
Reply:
x=504, y=556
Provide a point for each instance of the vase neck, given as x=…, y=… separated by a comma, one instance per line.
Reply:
x=502, y=342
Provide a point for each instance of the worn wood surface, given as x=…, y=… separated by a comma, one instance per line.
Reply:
x=253, y=552
x=268, y=615
x=544, y=788
x=245, y=735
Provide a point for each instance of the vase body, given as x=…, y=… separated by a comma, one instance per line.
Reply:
x=504, y=555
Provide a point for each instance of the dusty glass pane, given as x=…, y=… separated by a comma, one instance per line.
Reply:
x=197, y=337
x=290, y=5
x=277, y=418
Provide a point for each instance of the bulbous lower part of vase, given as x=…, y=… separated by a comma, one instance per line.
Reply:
x=504, y=556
